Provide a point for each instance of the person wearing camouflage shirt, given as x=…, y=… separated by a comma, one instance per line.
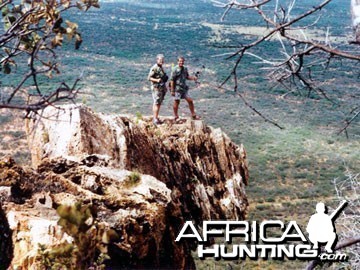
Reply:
x=180, y=90
x=158, y=79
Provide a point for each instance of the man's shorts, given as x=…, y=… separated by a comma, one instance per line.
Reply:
x=181, y=95
x=158, y=95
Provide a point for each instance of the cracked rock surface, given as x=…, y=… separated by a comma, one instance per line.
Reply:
x=184, y=171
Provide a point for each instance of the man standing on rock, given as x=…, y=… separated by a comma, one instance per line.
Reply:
x=158, y=79
x=179, y=89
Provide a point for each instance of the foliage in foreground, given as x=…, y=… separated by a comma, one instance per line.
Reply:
x=32, y=32
x=90, y=241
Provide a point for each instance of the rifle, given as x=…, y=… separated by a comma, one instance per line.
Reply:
x=334, y=214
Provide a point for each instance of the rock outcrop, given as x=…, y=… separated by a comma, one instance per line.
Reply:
x=144, y=182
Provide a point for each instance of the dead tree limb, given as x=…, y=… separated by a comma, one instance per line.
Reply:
x=301, y=54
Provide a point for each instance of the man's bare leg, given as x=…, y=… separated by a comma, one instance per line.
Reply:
x=191, y=105
x=176, y=108
x=192, y=108
x=156, y=109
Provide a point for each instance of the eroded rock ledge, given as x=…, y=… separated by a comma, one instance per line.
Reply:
x=188, y=171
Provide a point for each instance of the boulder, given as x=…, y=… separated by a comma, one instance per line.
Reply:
x=143, y=180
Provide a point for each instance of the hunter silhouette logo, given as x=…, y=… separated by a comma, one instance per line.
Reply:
x=321, y=227
x=256, y=240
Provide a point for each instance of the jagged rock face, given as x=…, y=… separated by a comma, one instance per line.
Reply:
x=355, y=14
x=189, y=171
x=199, y=161
x=136, y=210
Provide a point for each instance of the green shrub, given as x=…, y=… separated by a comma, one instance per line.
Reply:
x=139, y=116
x=89, y=248
x=45, y=137
x=132, y=179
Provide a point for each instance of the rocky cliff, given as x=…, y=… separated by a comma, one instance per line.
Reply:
x=141, y=183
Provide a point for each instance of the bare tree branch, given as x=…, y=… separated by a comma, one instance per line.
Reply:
x=34, y=30
x=348, y=122
x=257, y=112
x=343, y=244
x=235, y=4
x=301, y=54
